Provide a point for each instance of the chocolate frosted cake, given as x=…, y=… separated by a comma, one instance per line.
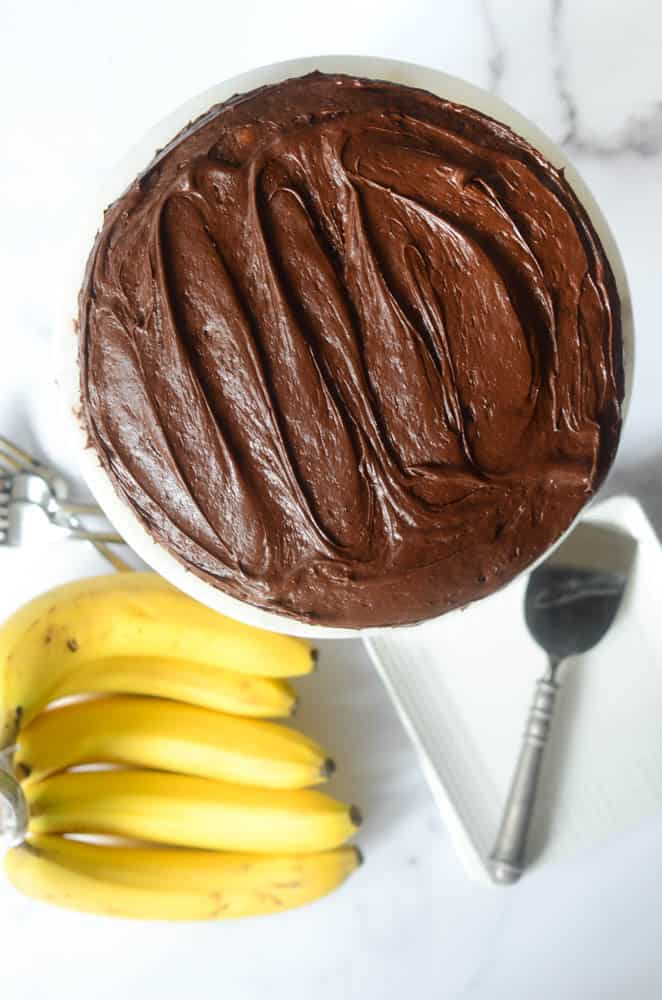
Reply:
x=350, y=352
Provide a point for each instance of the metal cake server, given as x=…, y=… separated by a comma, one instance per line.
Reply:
x=570, y=602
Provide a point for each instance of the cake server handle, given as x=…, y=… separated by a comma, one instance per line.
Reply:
x=506, y=862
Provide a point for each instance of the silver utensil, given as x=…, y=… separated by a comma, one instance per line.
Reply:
x=28, y=485
x=571, y=601
x=19, y=461
x=31, y=486
x=13, y=807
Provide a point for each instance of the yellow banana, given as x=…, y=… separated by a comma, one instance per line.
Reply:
x=159, y=734
x=189, y=811
x=181, y=680
x=171, y=884
x=125, y=615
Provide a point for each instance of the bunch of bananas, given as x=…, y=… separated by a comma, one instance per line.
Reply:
x=205, y=801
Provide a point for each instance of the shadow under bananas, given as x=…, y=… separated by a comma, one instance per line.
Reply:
x=344, y=706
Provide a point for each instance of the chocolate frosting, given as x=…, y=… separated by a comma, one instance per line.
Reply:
x=351, y=352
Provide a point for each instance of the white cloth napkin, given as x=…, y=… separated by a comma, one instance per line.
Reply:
x=463, y=689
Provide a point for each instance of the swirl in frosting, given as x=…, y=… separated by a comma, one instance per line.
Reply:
x=351, y=352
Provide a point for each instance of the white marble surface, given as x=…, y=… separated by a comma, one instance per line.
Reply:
x=80, y=82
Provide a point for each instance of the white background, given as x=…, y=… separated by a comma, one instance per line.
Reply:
x=79, y=82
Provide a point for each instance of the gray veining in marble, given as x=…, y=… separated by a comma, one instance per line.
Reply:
x=496, y=60
x=609, y=95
